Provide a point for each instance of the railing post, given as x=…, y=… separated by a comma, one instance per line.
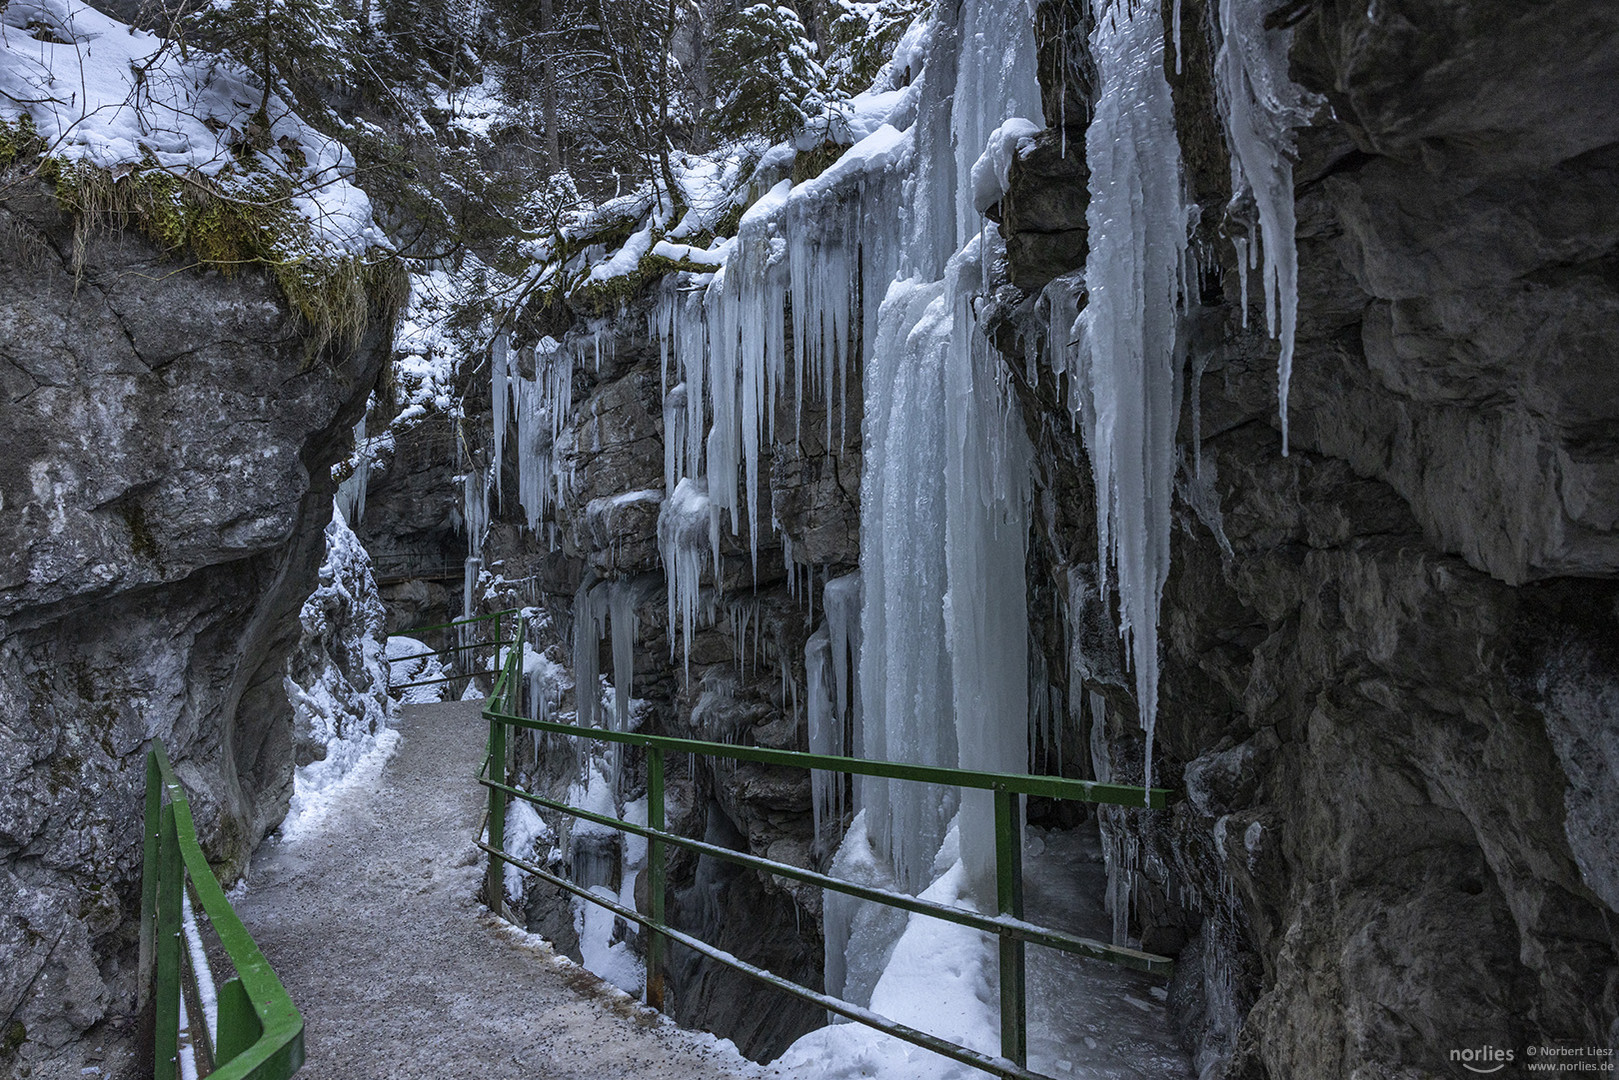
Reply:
x=657, y=943
x=166, y=950
x=152, y=819
x=1009, y=901
x=515, y=690
x=494, y=882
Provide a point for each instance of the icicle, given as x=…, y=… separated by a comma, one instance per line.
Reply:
x=1128, y=372
x=1260, y=107
x=1177, y=37
x=623, y=597
x=590, y=614
x=475, y=510
x=686, y=527
x=351, y=492
x=825, y=731
x=500, y=408
x=987, y=483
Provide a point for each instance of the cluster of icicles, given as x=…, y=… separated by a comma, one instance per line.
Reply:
x=923, y=656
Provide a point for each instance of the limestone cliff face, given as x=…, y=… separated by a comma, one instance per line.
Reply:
x=1390, y=690
x=1391, y=698
x=165, y=479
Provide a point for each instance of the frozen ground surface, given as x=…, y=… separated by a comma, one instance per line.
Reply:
x=1087, y=1018
x=373, y=924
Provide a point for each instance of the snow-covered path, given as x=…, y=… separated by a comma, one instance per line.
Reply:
x=372, y=923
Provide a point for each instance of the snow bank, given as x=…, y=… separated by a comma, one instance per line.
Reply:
x=407, y=663
x=940, y=978
x=991, y=172
x=104, y=94
x=337, y=683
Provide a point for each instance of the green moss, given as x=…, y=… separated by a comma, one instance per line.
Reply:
x=242, y=218
x=730, y=221
x=808, y=164
x=141, y=540
x=605, y=297
x=63, y=772
x=16, y=1035
x=19, y=141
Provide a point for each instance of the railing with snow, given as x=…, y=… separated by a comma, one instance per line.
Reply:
x=463, y=628
x=1009, y=925
x=246, y=1028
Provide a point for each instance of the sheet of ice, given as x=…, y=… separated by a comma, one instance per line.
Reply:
x=527, y=837
x=940, y=978
x=860, y=935
x=605, y=950
x=905, y=677
x=988, y=468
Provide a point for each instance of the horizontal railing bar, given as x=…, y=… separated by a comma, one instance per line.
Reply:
x=1055, y=787
x=457, y=622
x=451, y=648
x=447, y=678
x=1004, y=925
x=996, y=1066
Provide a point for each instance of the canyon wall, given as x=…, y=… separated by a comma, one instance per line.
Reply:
x=165, y=480
x=1390, y=700
x=1389, y=679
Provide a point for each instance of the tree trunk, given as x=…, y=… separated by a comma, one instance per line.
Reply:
x=553, y=141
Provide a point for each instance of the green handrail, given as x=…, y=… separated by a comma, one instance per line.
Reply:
x=1013, y=931
x=260, y=1035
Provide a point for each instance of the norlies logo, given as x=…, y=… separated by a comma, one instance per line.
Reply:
x=1484, y=1059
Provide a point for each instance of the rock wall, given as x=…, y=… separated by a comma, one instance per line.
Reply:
x=1389, y=681
x=1390, y=694
x=743, y=683
x=164, y=481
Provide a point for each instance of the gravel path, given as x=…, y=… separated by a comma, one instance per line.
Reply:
x=372, y=923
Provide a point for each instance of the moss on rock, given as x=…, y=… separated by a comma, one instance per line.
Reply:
x=243, y=218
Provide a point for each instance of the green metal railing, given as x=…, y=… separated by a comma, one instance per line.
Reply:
x=1008, y=924
x=497, y=642
x=259, y=1035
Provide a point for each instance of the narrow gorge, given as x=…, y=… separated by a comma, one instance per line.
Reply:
x=1216, y=396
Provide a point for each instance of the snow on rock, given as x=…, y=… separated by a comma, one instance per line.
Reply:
x=426, y=351
x=990, y=171
x=408, y=662
x=102, y=93
x=337, y=683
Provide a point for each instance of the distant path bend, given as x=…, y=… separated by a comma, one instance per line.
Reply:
x=372, y=923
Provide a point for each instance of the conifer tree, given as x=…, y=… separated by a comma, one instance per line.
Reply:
x=283, y=42
x=768, y=75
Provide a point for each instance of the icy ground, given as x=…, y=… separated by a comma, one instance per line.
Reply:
x=373, y=923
